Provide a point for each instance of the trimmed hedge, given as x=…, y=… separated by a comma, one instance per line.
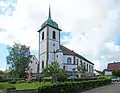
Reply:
x=11, y=79
x=5, y=87
x=73, y=87
x=69, y=80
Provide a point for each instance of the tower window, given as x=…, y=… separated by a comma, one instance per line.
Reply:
x=42, y=64
x=54, y=35
x=68, y=60
x=53, y=44
x=57, y=55
x=42, y=35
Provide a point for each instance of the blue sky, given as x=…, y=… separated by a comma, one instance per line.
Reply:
x=89, y=27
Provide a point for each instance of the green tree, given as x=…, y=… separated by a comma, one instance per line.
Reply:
x=18, y=58
x=1, y=72
x=81, y=70
x=116, y=73
x=52, y=70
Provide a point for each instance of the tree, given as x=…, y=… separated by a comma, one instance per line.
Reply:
x=52, y=70
x=116, y=73
x=18, y=58
x=81, y=69
x=1, y=72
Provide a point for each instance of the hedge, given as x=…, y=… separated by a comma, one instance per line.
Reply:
x=11, y=79
x=73, y=87
x=5, y=87
x=69, y=80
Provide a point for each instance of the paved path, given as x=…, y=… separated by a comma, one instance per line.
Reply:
x=113, y=88
x=1, y=91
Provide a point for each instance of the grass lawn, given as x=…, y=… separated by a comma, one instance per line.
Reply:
x=32, y=85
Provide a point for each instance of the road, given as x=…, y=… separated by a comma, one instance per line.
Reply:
x=113, y=88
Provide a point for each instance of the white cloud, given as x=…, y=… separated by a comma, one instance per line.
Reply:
x=92, y=23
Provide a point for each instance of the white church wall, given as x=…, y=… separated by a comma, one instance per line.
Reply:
x=43, y=47
x=51, y=57
x=43, y=42
x=42, y=58
x=70, y=67
x=53, y=47
x=59, y=58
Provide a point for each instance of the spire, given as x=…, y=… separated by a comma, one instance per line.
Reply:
x=49, y=17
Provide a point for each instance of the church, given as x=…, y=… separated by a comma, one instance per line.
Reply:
x=50, y=49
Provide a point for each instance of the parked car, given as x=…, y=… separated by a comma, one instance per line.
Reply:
x=115, y=79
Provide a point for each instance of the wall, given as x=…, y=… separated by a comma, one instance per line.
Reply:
x=108, y=72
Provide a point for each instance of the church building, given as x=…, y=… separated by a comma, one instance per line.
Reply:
x=50, y=49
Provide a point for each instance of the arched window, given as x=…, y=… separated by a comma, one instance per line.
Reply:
x=42, y=64
x=69, y=60
x=42, y=35
x=81, y=62
x=77, y=61
x=54, y=35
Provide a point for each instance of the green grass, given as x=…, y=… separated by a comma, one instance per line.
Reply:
x=5, y=86
x=32, y=85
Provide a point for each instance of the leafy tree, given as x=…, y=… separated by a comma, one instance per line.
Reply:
x=1, y=72
x=52, y=70
x=81, y=70
x=18, y=58
x=116, y=73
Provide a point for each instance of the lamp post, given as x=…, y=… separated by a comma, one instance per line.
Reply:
x=73, y=73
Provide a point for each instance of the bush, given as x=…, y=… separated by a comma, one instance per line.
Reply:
x=12, y=82
x=73, y=87
x=104, y=77
x=10, y=79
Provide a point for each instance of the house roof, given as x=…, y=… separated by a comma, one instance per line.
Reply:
x=67, y=51
x=113, y=66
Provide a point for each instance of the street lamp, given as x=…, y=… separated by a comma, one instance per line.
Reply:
x=73, y=73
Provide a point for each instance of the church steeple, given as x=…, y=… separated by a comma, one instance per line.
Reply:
x=49, y=17
x=49, y=21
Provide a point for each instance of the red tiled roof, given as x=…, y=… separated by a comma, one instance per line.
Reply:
x=67, y=51
x=113, y=66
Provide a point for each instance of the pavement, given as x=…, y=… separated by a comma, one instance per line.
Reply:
x=113, y=88
x=1, y=91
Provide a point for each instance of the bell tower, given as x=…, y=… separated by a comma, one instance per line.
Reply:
x=49, y=42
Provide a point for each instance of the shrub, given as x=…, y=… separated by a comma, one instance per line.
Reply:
x=12, y=82
x=10, y=79
x=73, y=87
x=104, y=77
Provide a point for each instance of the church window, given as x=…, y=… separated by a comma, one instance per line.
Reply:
x=68, y=60
x=77, y=61
x=42, y=35
x=81, y=62
x=42, y=64
x=57, y=55
x=64, y=67
x=87, y=67
x=54, y=35
x=53, y=44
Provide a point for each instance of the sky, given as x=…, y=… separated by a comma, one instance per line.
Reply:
x=89, y=27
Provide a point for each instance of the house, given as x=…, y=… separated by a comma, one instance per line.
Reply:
x=33, y=64
x=50, y=49
x=111, y=67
